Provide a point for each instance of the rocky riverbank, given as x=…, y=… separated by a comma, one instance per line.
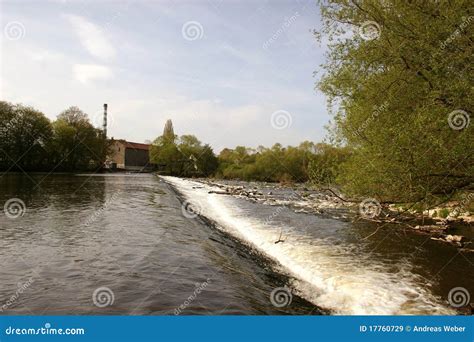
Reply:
x=441, y=223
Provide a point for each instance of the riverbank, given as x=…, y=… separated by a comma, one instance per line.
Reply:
x=334, y=261
x=449, y=223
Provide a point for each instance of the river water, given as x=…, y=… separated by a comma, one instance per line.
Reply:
x=123, y=244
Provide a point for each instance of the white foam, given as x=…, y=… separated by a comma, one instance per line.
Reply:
x=331, y=277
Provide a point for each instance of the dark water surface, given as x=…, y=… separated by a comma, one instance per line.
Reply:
x=128, y=233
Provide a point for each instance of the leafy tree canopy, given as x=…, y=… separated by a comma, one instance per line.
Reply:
x=395, y=73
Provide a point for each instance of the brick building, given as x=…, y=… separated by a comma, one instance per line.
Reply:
x=129, y=156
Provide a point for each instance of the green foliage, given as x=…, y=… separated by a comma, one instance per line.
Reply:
x=78, y=145
x=325, y=165
x=30, y=142
x=443, y=213
x=183, y=156
x=392, y=96
x=24, y=137
x=207, y=162
x=308, y=161
x=168, y=131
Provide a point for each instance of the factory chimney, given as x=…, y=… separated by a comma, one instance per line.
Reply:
x=104, y=125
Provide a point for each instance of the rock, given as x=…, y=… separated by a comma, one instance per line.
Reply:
x=218, y=192
x=301, y=211
x=438, y=239
x=430, y=228
x=453, y=238
x=467, y=250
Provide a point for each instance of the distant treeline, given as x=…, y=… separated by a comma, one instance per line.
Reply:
x=185, y=156
x=29, y=141
x=319, y=163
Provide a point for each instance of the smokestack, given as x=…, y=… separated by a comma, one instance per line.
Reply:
x=104, y=125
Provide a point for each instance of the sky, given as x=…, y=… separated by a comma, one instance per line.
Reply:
x=230, y=72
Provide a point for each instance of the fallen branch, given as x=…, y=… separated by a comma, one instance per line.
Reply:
x=279, y=238
x=219, y=192
x=336, y=195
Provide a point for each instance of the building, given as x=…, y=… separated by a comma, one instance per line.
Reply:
x=129, y=156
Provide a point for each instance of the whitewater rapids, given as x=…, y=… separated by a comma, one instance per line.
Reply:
x=332, y=277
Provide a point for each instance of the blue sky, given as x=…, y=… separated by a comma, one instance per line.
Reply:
x=219, y=69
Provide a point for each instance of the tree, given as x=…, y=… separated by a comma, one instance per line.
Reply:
x=395, y=97
x=168, y=131
x=78, y=145
x=183, y=156
x=25, y=136
x=166, y=155
x=7, y=122
x=325, y=165
x=238, y=163
x=275, y=164
x=207, y=162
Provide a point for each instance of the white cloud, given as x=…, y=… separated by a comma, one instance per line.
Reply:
x=45, y=55
x=92, y=37
x=89, y=72
x=224, y=90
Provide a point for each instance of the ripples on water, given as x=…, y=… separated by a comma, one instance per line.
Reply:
x=127, y=233
x=333, y=266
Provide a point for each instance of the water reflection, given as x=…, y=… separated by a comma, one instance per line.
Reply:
x=126, y=233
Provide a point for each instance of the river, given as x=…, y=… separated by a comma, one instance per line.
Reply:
x=123, y=244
